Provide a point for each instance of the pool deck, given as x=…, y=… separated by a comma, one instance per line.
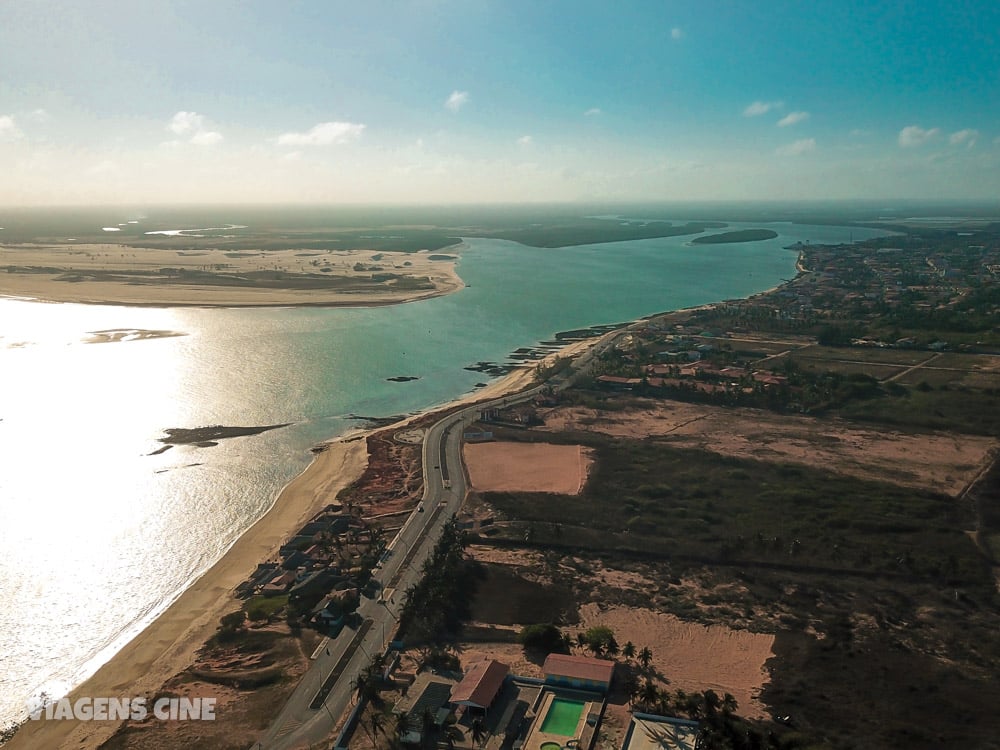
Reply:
x=582, y=735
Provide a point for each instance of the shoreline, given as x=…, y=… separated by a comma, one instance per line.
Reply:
x=109, y=274
x=167, y=645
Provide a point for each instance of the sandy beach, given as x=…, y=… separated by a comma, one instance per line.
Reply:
x=153, y=277
x=169, y=644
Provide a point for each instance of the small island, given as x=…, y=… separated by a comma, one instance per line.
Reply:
x=205, y=436
x=739, y=235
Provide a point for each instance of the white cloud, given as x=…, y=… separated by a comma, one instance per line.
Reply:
x=8, y=129
x=914, y=135
x=206, y=138
x=967, y=136
x=593, y=112
x=324, y=134
x=457, y=100
x=792, y=118
x=858, y=132
x=39, y=115
x=525, y=140
x=183, y=123
x=192, y=126
x=759, y=108
x=797, y=148
x=676, y=33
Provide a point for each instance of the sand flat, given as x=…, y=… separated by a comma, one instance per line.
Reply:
x=79, y=273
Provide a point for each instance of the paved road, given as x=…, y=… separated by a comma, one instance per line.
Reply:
x=326, y=689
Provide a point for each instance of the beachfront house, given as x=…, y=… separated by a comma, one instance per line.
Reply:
x=578, y=672
x=481, y=685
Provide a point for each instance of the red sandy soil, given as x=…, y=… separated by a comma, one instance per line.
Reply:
x=938, y=461
x=691, y=656
x=527, y=467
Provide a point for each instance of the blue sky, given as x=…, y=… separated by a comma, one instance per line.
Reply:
x=418, y=101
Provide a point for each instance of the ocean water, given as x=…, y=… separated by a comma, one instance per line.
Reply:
x=99, y=535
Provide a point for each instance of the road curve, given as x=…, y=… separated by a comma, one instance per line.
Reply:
x=308, y=717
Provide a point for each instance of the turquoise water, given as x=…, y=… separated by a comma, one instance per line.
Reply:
x=99, y=536
x=562, y=717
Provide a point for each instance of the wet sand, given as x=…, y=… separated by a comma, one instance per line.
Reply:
x=168, y=645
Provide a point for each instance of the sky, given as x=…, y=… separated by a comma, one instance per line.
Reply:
x=478, y=101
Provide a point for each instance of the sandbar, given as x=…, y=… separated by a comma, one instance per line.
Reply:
x=160, y=277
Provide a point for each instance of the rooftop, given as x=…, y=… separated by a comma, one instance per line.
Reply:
x=480, y=684
x=580, y=667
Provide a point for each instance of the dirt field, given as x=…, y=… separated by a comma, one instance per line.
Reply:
x=936, y=461
x=694, y=657
x=523, y=467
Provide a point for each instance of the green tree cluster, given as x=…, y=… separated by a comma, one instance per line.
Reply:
x=543, y=637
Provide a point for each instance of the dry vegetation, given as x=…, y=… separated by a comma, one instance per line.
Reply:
x=939, y=461
x=852, y=580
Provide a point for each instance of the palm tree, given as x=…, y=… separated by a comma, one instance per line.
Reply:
x=645, y=656
x=612, y=647
x=631, y=686
x=477, y=730
x=374, y=726
x=361, y=682
x=628, y=650
x=728, y=704
x=427, y=724
x=402, y=724
x=649, y=693
x=663, y=705
x=712, y=702
x=452, y=734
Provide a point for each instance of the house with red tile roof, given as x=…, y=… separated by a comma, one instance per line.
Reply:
x=481, y=684
x=580, y=672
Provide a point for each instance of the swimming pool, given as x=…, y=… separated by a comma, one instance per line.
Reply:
x=562, y=717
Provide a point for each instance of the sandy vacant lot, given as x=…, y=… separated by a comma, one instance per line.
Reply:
x=527, y=467
x=936, y=461
x=693, y=657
